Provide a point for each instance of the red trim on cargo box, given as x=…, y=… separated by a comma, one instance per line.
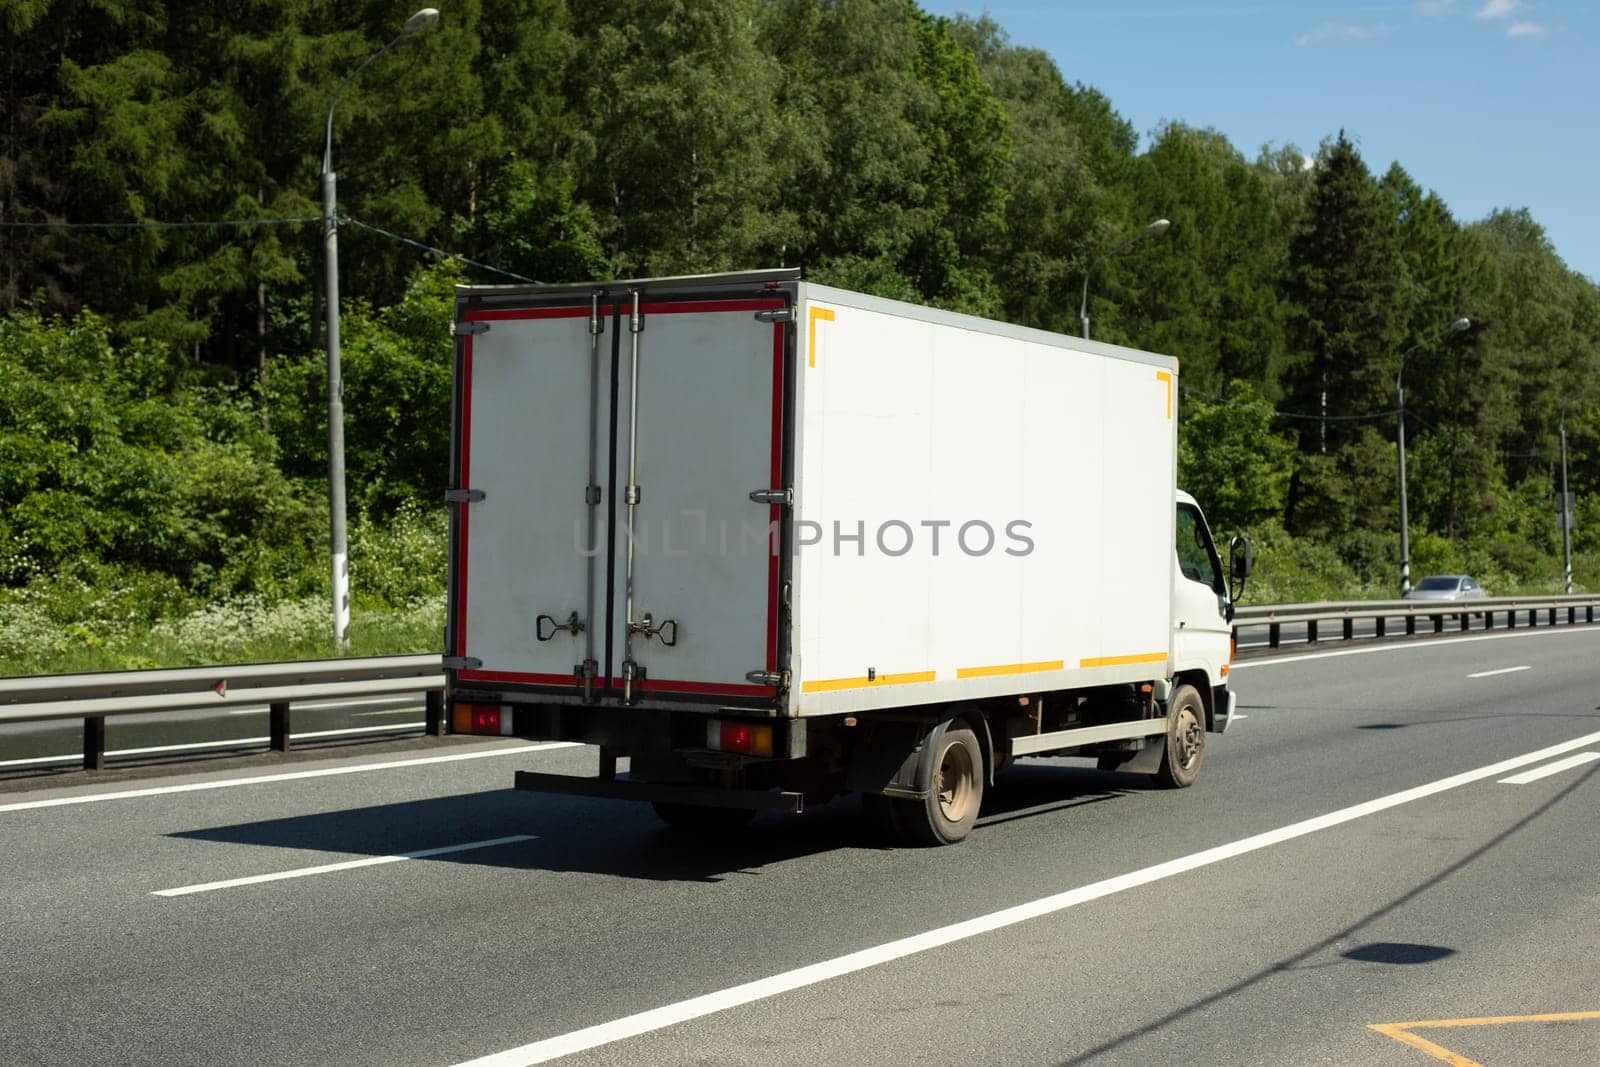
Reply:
x=514, y=676
x=461, y=481
x=665, y=685
x=690, y=307
x=775, y=513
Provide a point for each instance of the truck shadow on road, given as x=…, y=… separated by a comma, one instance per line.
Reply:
x=626, y=840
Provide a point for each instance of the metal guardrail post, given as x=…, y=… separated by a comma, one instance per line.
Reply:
x=1274, y=635
x=1466, y=624
x=1311, y=632
x=1349, y=628
x=1438, y=624
x=433, y=702
x=1411, y=625
x=1381, y=625
x=278, y=726
x=94, y=743
x=1552, y=616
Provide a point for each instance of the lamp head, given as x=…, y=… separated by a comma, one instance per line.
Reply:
x=1460, y=324
x=1157, y=228
x=421, y=20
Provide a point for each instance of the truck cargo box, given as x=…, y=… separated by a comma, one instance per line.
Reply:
x=757, y=492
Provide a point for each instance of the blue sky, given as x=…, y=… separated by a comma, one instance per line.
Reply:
x=1491, y=103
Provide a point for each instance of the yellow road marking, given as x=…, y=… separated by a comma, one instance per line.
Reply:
x=828, y=685
x=826, y=315
x=1123, y=661
x=1009, y=668
x=1166, y=376
x=1401, y=1032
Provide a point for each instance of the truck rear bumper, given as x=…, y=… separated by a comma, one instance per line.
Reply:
x=664, y=792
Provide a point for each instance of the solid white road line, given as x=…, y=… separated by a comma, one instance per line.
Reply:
x=761, y=989
x=1551, y=768
x=1502, y=670
x=321, y=772
x=77, y=757
x=1415, y=646
x=347, y=865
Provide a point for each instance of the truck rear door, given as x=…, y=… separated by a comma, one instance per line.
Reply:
x=657, y=576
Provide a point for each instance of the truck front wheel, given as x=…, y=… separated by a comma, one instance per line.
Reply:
x=1186, y=739
x=948, y=812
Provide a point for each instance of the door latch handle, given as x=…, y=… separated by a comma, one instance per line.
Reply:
x=573, y=626
x=666, y=630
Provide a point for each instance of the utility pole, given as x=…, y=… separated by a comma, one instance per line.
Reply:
x=1566, y=508
x=337, y=541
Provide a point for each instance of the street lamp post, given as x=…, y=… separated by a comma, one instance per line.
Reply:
x=1155, y=229
x=1400, y=437
x=338, y=541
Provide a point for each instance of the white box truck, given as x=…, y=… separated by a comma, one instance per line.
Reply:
x=772, y=542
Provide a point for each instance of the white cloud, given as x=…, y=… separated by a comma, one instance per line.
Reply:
x=1333, y=31
x=1499, y=9
x=1525, y=29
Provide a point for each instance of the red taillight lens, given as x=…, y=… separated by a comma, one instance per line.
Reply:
x=744, y=737
x=481, y=719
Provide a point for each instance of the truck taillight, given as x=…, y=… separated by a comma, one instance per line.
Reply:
x=482, y=719
x=748, y=738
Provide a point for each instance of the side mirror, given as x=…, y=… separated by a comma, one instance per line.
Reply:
x=1241, y=558
x=1241, y=561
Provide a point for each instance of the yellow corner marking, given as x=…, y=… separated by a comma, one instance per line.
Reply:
x=1009, y=668
x=1123, y=661
x=829, y=685
x=1166, y=376
x=826, y=315
x=1401, y=1032
x=1422, y=1044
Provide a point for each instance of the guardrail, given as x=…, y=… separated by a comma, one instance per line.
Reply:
x=95, y=696
x=1347, y=613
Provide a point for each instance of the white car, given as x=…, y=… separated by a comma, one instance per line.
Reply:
x=1446, y=587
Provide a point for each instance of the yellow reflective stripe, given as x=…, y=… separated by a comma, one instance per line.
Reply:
x=826, y=315
x=1123, y=661
x=1009, y=668
x=828, y=685
x=1166, y=376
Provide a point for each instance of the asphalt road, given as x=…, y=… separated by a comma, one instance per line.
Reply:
x=1379, y=843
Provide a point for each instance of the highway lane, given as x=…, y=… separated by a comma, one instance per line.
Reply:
x=1472, y=901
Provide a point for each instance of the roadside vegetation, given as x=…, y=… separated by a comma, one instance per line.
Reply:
x=162, y=404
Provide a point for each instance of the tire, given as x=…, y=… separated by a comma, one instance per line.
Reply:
x=701, y=821
x=1186, y=740
x=950, y=809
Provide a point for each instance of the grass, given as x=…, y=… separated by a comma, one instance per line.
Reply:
x=239, y=631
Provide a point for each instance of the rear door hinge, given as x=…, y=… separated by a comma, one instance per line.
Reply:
x=785, y=497
x=463, y=496
x=462, y=663
x=775, y=315
x=462, y=328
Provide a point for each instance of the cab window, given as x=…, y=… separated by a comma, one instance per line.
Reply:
x=1197, y=557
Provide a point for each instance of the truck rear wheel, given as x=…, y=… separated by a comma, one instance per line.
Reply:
x=950, y=809
x=1186, y=740
x=702, y=821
